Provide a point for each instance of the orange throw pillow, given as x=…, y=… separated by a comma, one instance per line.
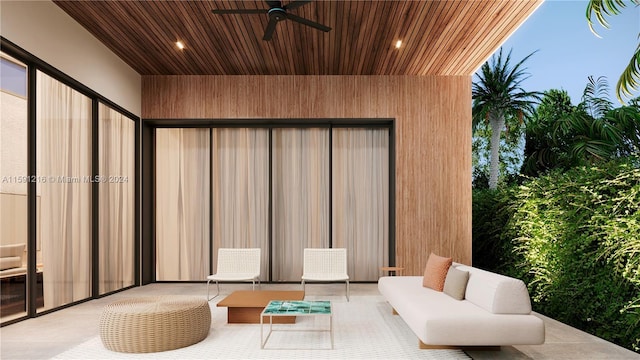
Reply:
x=436, y=272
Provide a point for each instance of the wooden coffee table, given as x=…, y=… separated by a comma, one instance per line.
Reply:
x=244, y=307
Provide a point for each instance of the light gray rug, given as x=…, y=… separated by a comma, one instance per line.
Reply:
x=363, y=328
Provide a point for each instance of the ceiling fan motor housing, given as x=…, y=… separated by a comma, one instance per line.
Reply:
x=278, y=14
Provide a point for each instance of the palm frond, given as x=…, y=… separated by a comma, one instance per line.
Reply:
x=630, y=78
x=594, y=97
x=589, y=148
x=601, y=8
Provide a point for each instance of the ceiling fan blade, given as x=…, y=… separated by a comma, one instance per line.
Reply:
x=296, y=4
x=271, y=27
x=240, y=11
x=304, y=21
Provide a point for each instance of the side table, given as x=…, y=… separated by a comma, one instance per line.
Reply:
x=393, y=270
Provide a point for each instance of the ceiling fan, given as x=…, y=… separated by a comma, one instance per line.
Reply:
x=277, y=12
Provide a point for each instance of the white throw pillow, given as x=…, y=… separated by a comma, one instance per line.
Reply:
x=455, y=284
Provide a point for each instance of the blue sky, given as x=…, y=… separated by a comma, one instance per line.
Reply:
x=568, y=52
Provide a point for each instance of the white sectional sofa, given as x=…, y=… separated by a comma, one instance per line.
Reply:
x=495, y=311
x=12, y=260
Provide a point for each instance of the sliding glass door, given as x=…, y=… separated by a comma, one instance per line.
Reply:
x=278, y=189
x=63, y=165
x=116, y=182
x=360, y=199
x=240, y=186
x=300, y=197
x=13, y=188
x=182, y=204
x=68, y=194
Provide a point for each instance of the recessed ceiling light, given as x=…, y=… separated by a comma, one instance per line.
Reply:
x=180, y=45
x=398, y=44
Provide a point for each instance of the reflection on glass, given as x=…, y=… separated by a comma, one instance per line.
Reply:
x=116, y=153
x=13, y=188
x=63, y=169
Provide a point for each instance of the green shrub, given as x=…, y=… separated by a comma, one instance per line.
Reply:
x=573, y=237
x=491, y=211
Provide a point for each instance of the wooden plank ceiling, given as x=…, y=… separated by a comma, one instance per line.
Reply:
x=438, y=37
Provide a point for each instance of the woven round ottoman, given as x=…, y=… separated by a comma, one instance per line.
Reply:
x=153, y=324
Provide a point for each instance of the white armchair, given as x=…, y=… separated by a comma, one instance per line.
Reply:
x=325, y=265
x=236, y=265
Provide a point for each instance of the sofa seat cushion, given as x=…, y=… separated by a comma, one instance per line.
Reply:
x=13, y=272
x=10, y=262
x=437, y=319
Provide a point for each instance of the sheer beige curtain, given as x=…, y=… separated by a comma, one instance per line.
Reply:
x=63, y=142
x=240, y=182
x=182, y=204
x=360, y=199
x=116, y=154
x=300, y=161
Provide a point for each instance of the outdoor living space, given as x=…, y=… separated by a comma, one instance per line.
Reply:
x=63, y=334
x=165, y=161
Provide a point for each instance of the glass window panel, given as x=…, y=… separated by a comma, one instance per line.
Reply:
x=360, y=199
x=182, y=204
x=240, y=216
x=13, y=190
x=14, y=76
x=63, y=167
x=300, y=170
x=116, y=177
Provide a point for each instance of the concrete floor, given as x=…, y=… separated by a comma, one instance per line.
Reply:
x=46, y=336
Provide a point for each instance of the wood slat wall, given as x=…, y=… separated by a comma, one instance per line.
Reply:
x=432, y=128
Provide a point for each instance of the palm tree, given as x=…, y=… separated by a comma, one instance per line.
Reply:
x=499, y=99
x=630, y=78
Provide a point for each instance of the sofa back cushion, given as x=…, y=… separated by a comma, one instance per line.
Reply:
x=10, y=262
x=11, y=256
x=12, y=250
x=497, y=293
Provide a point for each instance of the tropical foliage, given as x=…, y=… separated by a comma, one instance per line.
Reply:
x=630, y=78
x=572, y=236
x=569, y=227
x=500, y=101
x=560, y=135
x=545, y=147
